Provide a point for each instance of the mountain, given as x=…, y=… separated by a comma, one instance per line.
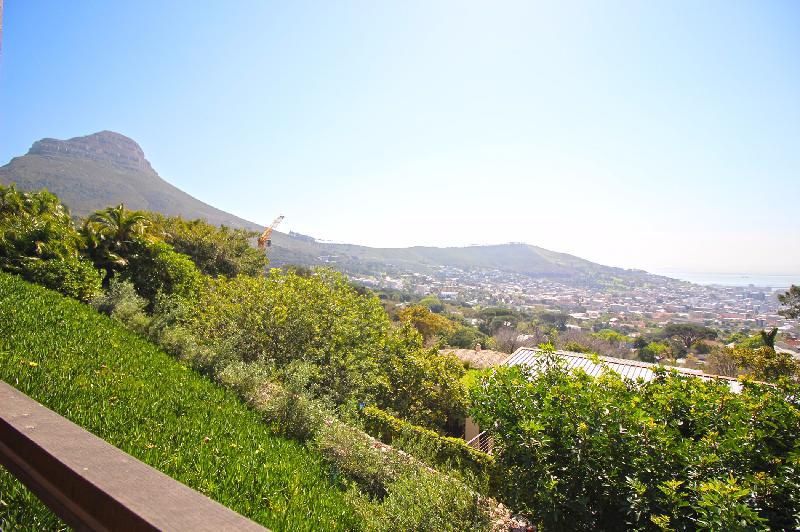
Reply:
x=93, y=172
x=106, y=168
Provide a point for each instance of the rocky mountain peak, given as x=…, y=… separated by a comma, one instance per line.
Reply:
x=105, y=146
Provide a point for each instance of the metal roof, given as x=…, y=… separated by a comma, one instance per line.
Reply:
x=628, y=369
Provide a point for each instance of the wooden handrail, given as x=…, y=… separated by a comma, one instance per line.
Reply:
x=91, y=484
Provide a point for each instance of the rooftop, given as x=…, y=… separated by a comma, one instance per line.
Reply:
x=627, y=369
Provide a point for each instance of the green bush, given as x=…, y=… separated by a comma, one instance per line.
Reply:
x=291, y=414
x=354, y=456
x=677, y=452
x=154, y=267
x=424, y=500
x=452, y=453
x=72, y=276
x=344, y=341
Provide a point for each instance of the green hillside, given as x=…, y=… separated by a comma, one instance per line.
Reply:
x=91, y=370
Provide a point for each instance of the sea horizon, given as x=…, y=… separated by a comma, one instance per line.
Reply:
x=783, y=281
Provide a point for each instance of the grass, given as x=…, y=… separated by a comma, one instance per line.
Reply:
x=125, y=390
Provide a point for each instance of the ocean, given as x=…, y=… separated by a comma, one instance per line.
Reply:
x=733, y=279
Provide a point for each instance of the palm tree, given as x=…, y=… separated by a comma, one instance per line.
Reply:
x=112, y=234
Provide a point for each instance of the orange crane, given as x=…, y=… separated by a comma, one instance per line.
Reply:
x=264, y=240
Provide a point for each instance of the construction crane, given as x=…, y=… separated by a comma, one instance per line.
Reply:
x=264, y=240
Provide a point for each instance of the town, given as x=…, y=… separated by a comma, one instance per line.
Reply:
x=630, y=308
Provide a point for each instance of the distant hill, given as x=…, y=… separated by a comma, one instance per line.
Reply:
x=93, y=172
x=106, y=168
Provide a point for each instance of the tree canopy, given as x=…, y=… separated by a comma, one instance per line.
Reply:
x=429, y=324
x=791, y=300
x=214, y=250
x=688, y=333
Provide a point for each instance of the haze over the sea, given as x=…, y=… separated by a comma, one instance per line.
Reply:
x=733, y=279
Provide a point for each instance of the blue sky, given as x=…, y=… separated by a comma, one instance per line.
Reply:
x=658, y=135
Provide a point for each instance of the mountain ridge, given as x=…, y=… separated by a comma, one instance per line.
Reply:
x=95, y=171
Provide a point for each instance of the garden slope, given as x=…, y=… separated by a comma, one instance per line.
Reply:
x=89, y=369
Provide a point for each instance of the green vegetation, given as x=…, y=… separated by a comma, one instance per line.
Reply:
x=672, y=454
x=688, y=333
x=39, y=242
x=303, y=347
x=791, y=300
x=214, y=250
x=123, y=389
x=342, y=343
x=450, y=453
x=108, y=174
x=429, y=324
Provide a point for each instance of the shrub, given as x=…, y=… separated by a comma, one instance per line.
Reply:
x=243, y=378
x=344, y=340
x=154, y=267
x=424, y=500
x=72, y=276
x=120, y=301
x=356, y=456
x=452, y=453
x=291, y=414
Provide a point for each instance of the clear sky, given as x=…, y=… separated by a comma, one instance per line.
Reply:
x=658, y=135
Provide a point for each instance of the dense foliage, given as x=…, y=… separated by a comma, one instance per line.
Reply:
x=123, y=389
x=39, y=242
x=214, y=250
x=675, y=453
x=342, y=341
x=688, y=333
x=285, y=401
x=429, y=324
x=451, y=453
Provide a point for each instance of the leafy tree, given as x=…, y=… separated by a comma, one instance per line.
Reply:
x=39, y=242
x=576, y=347
x=214, y=250
x=421, y=385
x=751, y=342
x=433, y=303
x=557, y=320
x=653, y=352
x=612, y=337
x=791, y=300
x=428, y=324
x=467, y=338
x=688, y=333
x=112, y=234
x=764, y=363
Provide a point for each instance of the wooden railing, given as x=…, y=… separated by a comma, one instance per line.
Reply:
x=91, y=484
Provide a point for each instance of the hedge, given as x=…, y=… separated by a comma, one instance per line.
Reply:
x=438, y=450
